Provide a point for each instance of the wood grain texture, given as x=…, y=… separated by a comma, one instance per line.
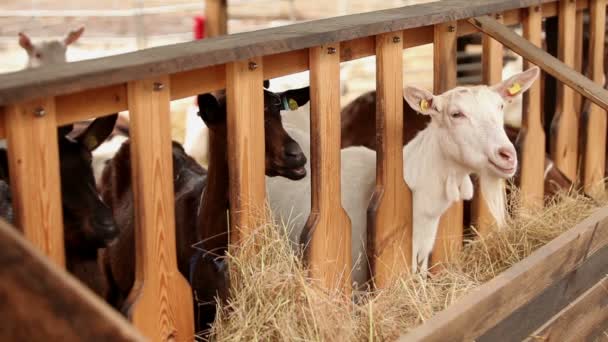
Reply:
x=33, y=157
x=582, y=320
x=101, y=72
x=492, y=302
x=548, y=63
x=449, y=235
x=595, y=146
x=492, y=64
x=161, y=299
x=531, y=137
x=578, y=57
x=390, y=209
x=564, y=149
x=42, y=302
x=216, y=14
x=246, y=163
x=532, y=315
x=327, y=233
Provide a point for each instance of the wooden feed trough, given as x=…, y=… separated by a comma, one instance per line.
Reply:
x=562, y=284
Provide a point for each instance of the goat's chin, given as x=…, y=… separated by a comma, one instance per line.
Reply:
x=296, y=173
x=500, y=171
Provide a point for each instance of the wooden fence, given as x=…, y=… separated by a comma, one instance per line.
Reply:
x=35, y=102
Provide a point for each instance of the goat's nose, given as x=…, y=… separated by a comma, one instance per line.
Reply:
x=292, y=150
x=507, y=154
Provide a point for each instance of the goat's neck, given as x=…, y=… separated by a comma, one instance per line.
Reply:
x=212, y=221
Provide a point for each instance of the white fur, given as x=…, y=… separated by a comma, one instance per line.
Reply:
x=437, y=167
x=105, y=152
x=196, y=137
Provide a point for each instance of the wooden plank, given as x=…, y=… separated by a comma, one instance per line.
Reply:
x=216, y=14
x=161, y=299
x=33, y=157
x=449, y=235
x=101, y=72
x=245, y=104
x=530, y=316
x=491, y=60
x=578, y=57
x=41, y=302
x=327, y=233
x=564, y=149
x=390, y=209
x=548, y=63
x=532, y=136
x=595, y=146
x=582, y=320
x=492, y=302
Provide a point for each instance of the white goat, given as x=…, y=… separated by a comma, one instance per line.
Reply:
x=465, y=136
x=47, y=52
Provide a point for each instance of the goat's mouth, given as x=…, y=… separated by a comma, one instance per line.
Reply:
x=293, y=173
x=503, y=171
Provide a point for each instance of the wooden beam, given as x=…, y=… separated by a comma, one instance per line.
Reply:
x=245, y=103
x=41, y=302
x=327, y=233
x=33, y=157
x=160, y=302
x=491, y=60
x=95, y=73
x=548, y=63
x=390, y=209
x=582, y=320
x=216, y=14
x=449, y=235
x=532, y=136
x=489, y=304
x=595, y=145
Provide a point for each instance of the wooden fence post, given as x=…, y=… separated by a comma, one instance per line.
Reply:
x=390, y=210
x=216, y=13
x=245, y=104
x=33, y=153
x=328, y=228
x=449, y=235
x=532, y=135
x=492, y=54
x=565, y=149
x=161, y=299
x=595, y=146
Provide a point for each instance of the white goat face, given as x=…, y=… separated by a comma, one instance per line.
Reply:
x=471, y=122
x=49, y=52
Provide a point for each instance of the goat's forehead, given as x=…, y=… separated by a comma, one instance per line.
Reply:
x=474, y=98
x=52, y=45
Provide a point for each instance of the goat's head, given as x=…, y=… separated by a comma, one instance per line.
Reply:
x=284, y=157
x=88, y=221
x=471, y=121
x=48, y=52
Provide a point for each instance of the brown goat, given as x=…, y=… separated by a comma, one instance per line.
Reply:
x=201, y=201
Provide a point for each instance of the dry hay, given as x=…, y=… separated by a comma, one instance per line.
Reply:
x=272, y=300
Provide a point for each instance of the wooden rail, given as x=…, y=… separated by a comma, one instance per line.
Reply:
x=36, y=102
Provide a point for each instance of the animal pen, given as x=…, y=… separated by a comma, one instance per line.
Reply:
x=563, y=283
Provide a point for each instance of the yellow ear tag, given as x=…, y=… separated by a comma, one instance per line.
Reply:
x=424, y=105
x=514, y=89
x=293, y=105
x=90, y=141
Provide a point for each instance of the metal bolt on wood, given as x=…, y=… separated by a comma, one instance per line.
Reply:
x=536, y=8
x=396, y=39
x=451, y=28
x=158, y=86
x=331, y=50
x=498, y=16
x=39, y=112
x=253, y=65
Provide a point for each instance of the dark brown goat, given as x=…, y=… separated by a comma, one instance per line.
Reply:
x=359, y=129
x=88, y=222
x=201, y=201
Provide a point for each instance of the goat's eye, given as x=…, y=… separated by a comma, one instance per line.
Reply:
x=38, y=55
x=457, y=115
x=502, y=106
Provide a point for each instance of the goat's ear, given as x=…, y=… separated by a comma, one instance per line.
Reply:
x=209, y=109
x=294, y=98
x=73, y=36
x=63, y=131
x=266, y=84
x=25, y=42
x=421, y=100
x=97, y=132
x=517, y=84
